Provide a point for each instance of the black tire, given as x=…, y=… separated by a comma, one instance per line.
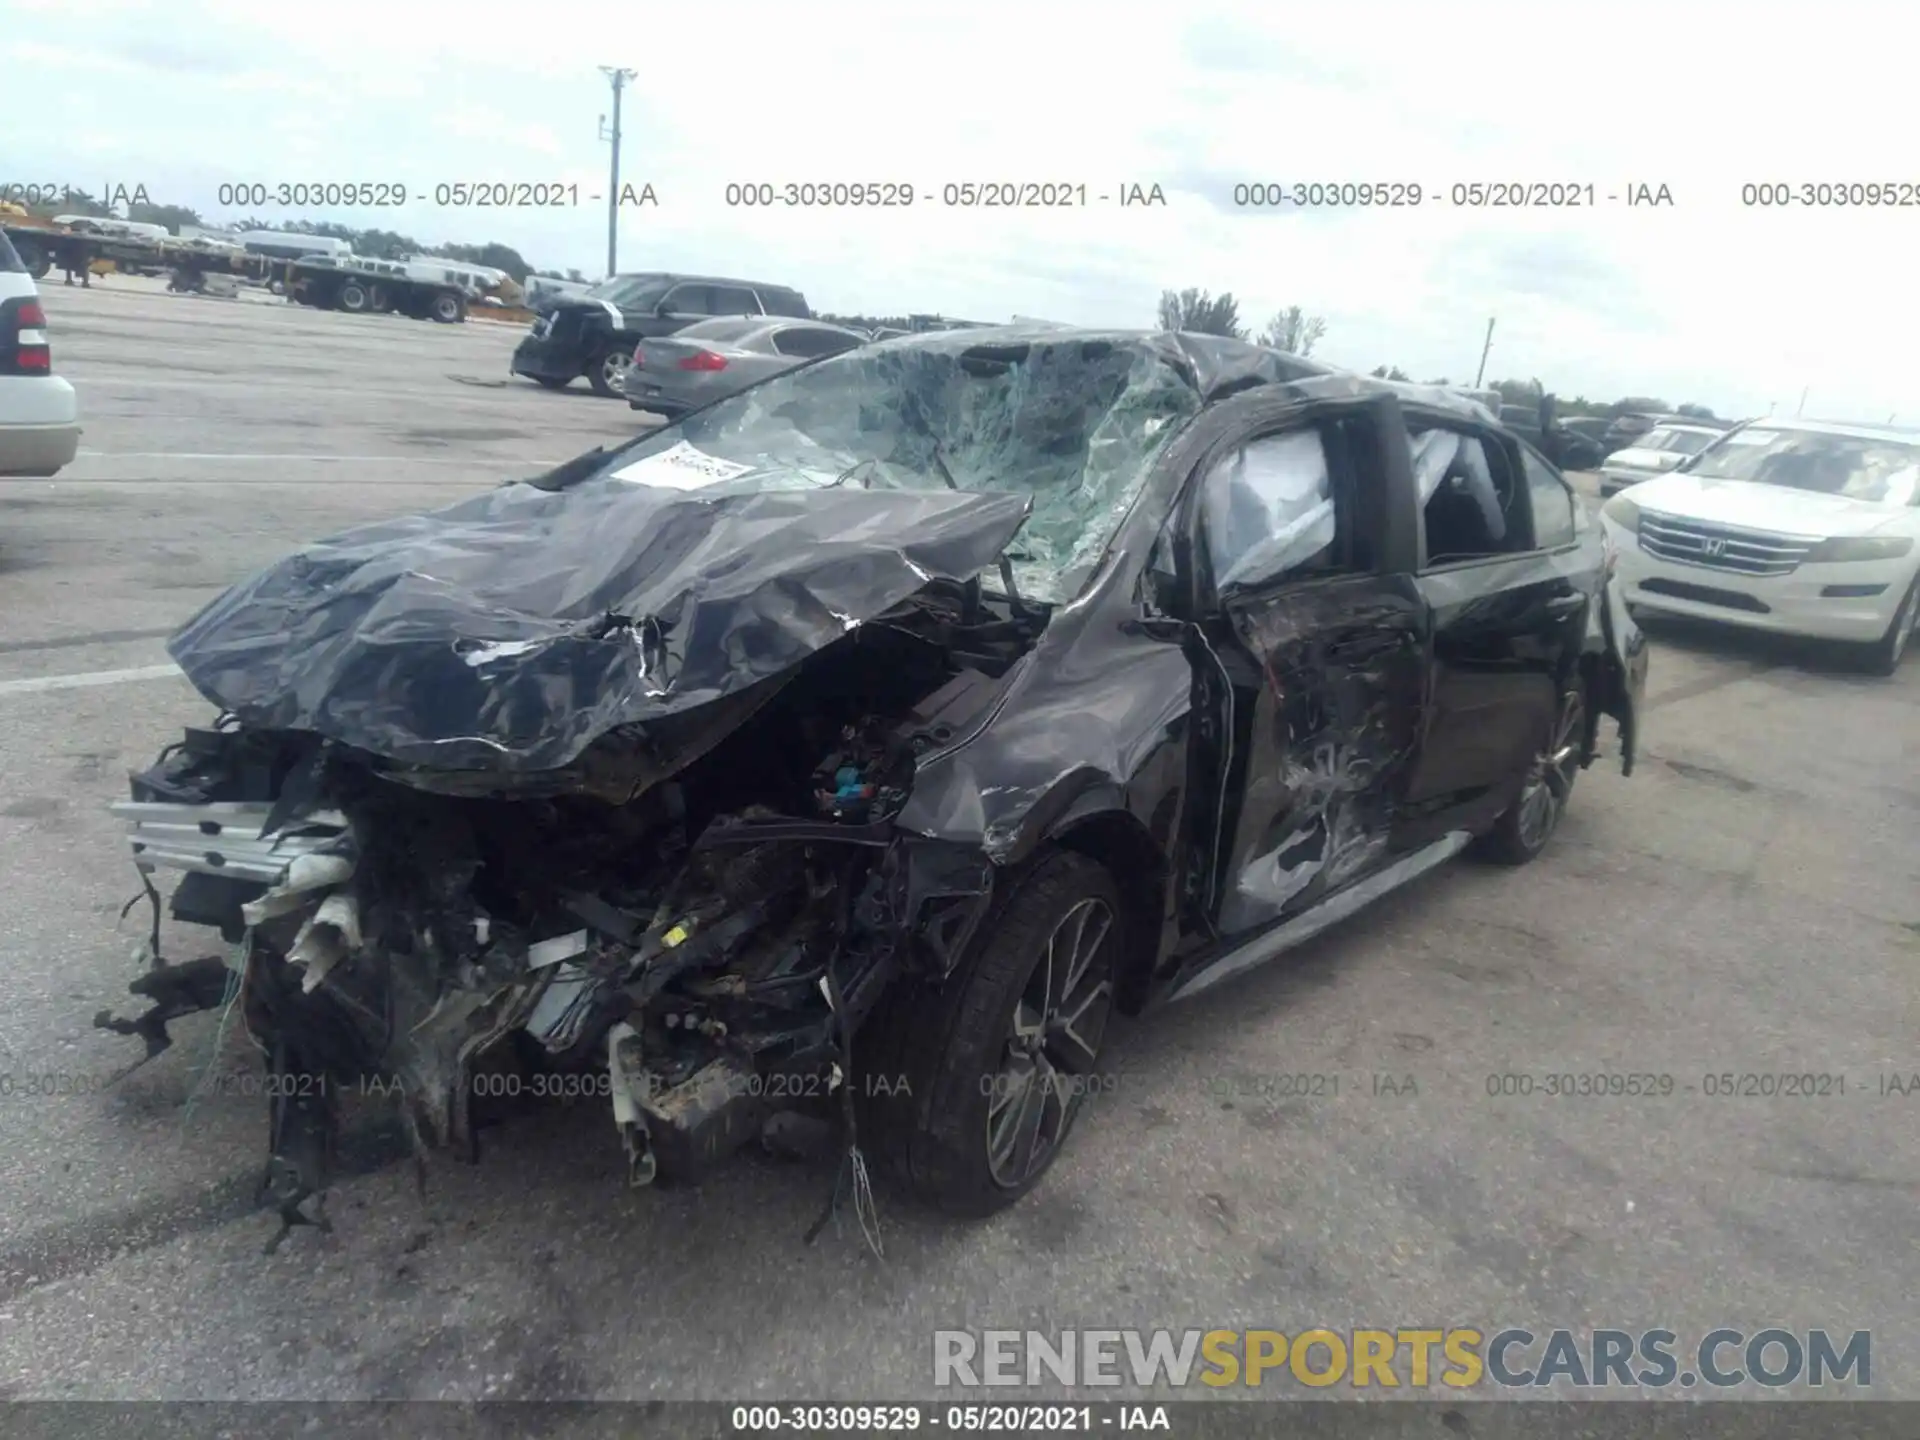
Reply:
x=1527, y=825
x=35, y=257
x=447, y=309
x=1884, y=655
x=607, y=373
x=354, y=298
x=951, y=1072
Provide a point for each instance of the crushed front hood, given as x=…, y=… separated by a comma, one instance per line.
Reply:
x=510, y=631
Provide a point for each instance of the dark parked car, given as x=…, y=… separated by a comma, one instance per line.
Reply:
x=863, y=740
x=1568, y=447
x=715, y=358
x=594, y=334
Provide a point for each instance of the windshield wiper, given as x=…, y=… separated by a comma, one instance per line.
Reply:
x=847, y=474
x=912, y=413
x=939, y=458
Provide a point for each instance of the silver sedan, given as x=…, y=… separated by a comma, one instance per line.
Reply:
x=713, y=359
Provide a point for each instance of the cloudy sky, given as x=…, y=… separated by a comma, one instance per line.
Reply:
x=1706, y=299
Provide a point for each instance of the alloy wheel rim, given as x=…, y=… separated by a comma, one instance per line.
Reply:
x=1051, y=1045
x=1550, y=778
x=615, y=370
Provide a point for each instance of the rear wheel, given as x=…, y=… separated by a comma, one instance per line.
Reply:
x=608, y=374
x=972, y=1086
x=448, y=309
x=1528, y=824
x=354, y=298
x=1884, y=655
x=37, y=260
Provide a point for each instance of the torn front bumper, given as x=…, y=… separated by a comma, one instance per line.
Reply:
x=226, y=839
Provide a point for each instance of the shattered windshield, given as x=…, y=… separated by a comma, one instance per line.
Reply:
x=1073, y=424
x=1857, y=467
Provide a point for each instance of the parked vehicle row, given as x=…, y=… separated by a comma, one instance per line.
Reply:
x=595, y=334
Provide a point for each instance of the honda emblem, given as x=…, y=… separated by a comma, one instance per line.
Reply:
x=1713, y=548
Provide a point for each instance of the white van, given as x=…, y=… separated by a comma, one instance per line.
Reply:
x=439, y=270
x=291, y=245
x=108, y=225
x=539, y=287
x=39, y=416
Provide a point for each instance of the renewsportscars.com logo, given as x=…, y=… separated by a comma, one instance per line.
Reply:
x=1458, y=1358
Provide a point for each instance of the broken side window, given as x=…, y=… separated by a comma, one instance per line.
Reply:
x=1470, y=496
x=1270, y=509
x=1552, y=503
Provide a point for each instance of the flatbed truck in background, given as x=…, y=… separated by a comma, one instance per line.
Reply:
x=353, y=283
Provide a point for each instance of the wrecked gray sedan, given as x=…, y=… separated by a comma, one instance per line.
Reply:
x=860, y=743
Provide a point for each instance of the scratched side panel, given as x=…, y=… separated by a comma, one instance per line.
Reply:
x=1337, y=676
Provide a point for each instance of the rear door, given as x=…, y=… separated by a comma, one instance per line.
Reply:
x=1508, y=617
x=778, y=300
x=1317, y=636
x=732, y=300
x=685, y=304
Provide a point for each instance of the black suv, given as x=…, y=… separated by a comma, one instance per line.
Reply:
x=595, y=334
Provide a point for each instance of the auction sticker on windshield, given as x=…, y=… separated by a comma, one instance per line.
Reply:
x=680, y=467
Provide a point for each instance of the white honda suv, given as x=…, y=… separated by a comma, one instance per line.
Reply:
x=39, y=418
x=1798, y=527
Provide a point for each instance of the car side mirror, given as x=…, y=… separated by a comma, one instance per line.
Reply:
x=665, y=307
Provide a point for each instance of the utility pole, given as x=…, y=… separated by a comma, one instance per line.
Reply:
x=611, y=133
x=1485, y=349
x=1801, y=409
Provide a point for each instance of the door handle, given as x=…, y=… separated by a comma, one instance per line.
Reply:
x=1565, y=604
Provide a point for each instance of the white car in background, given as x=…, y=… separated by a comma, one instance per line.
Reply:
x=1796, y=527
x=1661, y=449
x=39, y=417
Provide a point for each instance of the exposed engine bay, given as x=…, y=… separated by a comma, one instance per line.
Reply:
x=694, y=919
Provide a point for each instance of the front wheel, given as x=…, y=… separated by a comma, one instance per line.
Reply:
x=355, y=298
x=448, y=309
x=1883, y=657
x=1523, y=831
x=972, y=1086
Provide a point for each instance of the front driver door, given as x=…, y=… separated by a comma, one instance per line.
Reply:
x=1319, y=635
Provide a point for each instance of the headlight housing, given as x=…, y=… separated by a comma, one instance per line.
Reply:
x=1850, y=549
x=1624, y=513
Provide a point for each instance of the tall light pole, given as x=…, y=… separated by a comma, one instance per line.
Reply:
x=611, y=133
x=1481, y=373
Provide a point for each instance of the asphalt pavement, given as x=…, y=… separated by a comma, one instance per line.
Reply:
x=1747, y=904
